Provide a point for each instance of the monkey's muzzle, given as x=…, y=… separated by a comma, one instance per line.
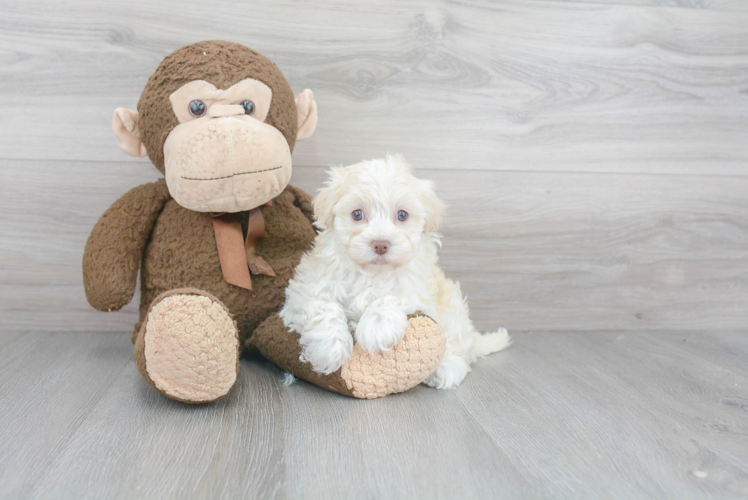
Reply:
x=226, y=162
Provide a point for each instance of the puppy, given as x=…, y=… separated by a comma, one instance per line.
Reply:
x=374, y=262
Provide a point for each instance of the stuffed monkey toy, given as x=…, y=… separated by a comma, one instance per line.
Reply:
x=217, y=239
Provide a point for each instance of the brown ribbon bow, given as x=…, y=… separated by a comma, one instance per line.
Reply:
x=238, y=256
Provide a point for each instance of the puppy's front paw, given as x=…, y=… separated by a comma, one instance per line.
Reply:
x=327, y=350
x=450, y=373
x=380, y=329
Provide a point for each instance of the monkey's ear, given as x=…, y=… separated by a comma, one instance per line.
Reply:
x=306, y=110
x=127, y=132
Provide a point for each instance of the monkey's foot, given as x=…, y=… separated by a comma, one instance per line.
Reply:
x=365, y=376
x=188, y=347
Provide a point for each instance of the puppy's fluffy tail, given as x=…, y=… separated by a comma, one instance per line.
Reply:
x=488, y=343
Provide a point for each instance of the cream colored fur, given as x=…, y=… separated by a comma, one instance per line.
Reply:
x=344, y=286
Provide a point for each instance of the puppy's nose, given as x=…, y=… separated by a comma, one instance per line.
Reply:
x=380, y=246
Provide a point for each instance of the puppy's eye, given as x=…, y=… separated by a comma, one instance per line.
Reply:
x=197, y=108
x=402, y=215
x=357, y=214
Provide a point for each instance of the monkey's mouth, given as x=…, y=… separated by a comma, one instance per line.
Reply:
x=230, y=176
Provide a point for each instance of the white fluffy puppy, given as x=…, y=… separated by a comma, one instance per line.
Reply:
x=373, y=263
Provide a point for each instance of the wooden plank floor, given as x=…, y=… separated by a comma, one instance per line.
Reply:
x=558, y=415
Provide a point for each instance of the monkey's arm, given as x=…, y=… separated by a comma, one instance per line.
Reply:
x=116, y=244
x=303, y=201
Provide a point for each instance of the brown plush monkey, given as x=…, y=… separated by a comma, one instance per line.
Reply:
x=220, y=122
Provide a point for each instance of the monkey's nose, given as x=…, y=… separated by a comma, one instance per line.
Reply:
x=219, y=110
x=380, y=246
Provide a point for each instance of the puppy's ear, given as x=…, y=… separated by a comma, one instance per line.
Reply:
x=433, y=206
x=327, y=198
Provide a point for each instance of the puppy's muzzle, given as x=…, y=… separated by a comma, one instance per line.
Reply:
x=380, y=246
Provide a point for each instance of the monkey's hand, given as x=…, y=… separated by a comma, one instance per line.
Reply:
x=116, y=244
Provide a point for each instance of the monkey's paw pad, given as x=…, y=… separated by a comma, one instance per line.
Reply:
x=191, y=348
x=406, y=365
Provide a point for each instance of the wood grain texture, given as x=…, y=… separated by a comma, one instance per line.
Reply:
x=592, y=153
x=533, y=251
x=50, y=384
x=494, y=85
x=559, y=415
x=735, y=5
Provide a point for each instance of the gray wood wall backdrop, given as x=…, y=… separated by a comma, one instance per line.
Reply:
x=594, y=154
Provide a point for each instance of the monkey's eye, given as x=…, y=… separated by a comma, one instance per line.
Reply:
x=402, y=215
x=197, y=108
x=357, y=214
x=249, y=107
